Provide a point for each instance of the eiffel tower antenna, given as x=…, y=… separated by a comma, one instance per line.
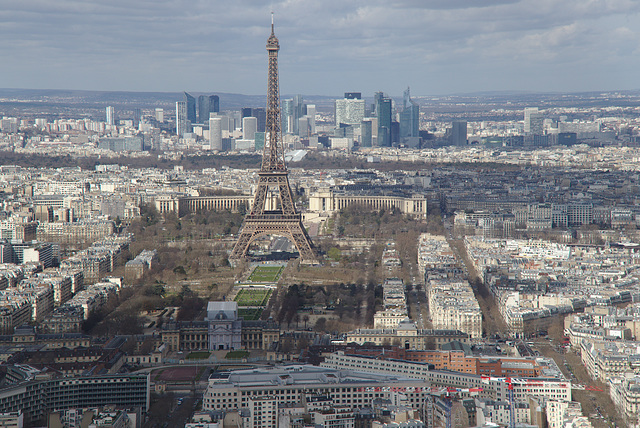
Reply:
x=280, y=217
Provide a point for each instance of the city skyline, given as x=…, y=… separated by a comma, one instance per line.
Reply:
x=439, y=48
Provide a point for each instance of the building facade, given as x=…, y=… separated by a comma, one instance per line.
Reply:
x=224, y=326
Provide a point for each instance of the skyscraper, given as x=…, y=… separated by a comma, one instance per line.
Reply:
x=366, y=132
x=303, y=126
x=409, y=118
x=383, y=114
x=249, y=127
x=311, y=112
x=300, y=109
x=260, y=114
x=292, y=110
x=215, y=133
x=111, y=115
x=160, y=115
x=259, y=141
x=349, y=111
x=137, y=115
x=536, y=124
x=245, y=112
x=207, y=104
x=191, y=107
x=458, y=136
x=527, y=118
x=181, y=118
x=287, y=116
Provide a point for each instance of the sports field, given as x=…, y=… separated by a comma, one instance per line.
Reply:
x=253, y=296
x=266, y=273
x=179, y=374
x=249, y=314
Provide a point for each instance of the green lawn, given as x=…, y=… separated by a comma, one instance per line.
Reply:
x=249, y=314
x=253, y=296
x=266, y=273
x=199, y=355
x=236, y=355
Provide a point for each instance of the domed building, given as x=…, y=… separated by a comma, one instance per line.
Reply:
x=225, y=328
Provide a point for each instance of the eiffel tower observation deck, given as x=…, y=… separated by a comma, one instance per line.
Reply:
x=283, y=219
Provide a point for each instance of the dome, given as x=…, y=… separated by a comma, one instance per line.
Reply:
x=220, y=316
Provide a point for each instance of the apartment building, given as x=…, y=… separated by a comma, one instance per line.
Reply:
x=35, y=398
x=293, y=384
x=406, y=334
x=453, y=306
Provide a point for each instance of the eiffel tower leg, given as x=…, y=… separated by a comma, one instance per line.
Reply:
x=302, y=242
x=242, y=244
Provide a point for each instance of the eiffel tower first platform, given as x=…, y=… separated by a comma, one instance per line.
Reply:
x=284, y=219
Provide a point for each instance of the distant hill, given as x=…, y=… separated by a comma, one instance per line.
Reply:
x=99, y=99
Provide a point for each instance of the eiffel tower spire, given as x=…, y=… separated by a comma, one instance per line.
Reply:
x=282, y=219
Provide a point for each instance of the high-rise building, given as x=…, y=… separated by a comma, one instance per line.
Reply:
x=300, y=109
x=366, y=133
x=353, y=95
x=191, y=107
x=249, y=127
x=137, y=114
x=182, y=124
x=111, y=115
x=292, y=110
x=287, y=116
x=311, y=112
x=458, y=136
x=536, y=124
x=409, y=118
x=160, y=115
x=207, y=104
x=303, y=126
x=349, y=111
x=527, y=114
x=215, y=133
x=259, y=141
x=245, y=112
x=261, y=115
x=383, y=114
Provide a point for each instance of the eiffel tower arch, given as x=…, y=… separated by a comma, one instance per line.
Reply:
x=281, y=218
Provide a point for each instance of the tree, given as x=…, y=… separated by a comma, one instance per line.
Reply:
x=321, y=324
x=334, y=253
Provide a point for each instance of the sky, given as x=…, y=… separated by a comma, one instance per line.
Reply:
x=327, y=47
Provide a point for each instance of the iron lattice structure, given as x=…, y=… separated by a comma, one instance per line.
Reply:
x=281, y=218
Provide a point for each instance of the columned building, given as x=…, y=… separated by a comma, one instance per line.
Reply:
x=328, y=201
x=185, y=205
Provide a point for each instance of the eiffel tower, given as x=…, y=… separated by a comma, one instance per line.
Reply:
x=283, y=218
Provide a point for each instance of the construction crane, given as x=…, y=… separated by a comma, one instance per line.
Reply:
x=447, y=395
x=509, y=381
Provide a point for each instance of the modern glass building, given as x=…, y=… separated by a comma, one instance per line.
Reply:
x=383, y=113
x=409, y=117
x=366, y=133
x=191, y=107
x=182, y=125
x=207, y=104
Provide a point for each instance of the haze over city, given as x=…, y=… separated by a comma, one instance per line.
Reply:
x=435, y=46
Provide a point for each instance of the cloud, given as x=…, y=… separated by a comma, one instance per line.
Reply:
x=435, y=46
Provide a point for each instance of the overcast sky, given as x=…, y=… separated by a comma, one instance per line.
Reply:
x=327, y=47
